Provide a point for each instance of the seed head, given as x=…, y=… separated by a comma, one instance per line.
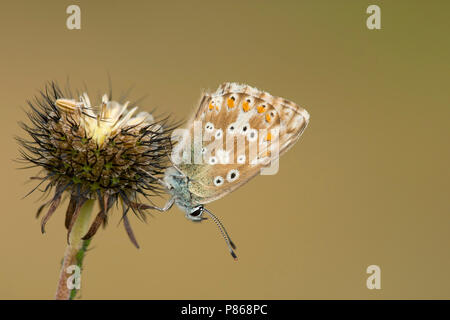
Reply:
x=105, y=152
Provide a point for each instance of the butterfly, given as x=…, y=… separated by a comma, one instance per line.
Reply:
x=236, y=132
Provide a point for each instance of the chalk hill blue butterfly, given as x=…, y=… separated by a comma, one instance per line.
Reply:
x=257, y=128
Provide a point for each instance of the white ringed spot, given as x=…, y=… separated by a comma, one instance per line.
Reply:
x=212, y=160
x=218, y=134
x=218, y=181
x=231, y=128
x=252, y=135
x=245, y=128
x=209, y=127
x=232, y=175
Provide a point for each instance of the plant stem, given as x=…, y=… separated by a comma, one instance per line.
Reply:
x=74, y=252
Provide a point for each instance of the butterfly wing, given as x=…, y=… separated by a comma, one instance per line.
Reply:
x=243, y=130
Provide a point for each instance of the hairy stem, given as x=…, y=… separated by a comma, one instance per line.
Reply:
x=73, y=257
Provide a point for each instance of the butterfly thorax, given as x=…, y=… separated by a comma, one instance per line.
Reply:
x=179, y=189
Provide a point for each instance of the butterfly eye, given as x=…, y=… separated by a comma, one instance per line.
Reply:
x=197, y=211
x=218, y=181
x=232, y=175
x=196, y=214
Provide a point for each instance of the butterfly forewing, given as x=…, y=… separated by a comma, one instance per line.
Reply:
x=243, y=129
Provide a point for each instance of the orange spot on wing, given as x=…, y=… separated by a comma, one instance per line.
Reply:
x=261, y=109
x=230, y=103
x=269, y=137
x=268, y=118
x=210, y=107
x=217, y=108
x=245, y=106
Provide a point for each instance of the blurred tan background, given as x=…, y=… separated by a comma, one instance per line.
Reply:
x=367, y=184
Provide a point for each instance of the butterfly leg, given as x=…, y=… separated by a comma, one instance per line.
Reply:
x=176, y=167
x=182, y=175
x=160, y=181
x=166, y=207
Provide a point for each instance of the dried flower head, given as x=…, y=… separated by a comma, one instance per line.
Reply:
x=105, y=152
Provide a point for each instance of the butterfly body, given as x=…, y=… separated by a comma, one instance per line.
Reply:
x=179, y=189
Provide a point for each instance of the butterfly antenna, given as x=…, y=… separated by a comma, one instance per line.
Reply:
x=224, y=233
